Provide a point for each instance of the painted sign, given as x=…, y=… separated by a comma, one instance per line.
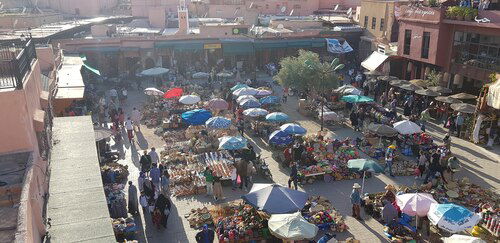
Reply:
x=417, y=13
x=212, y=46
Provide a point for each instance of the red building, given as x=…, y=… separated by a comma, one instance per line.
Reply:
x=465, y=52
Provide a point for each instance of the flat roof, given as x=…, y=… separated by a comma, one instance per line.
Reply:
x=70, y=84
x=77, y=205
x=12, y=170
x=70, y=93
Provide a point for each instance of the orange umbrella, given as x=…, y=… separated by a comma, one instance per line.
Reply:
x=175, y=92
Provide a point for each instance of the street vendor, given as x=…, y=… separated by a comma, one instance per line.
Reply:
x=389, y=193
x=356, y=201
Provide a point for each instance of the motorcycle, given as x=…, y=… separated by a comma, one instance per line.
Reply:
x=263, y=168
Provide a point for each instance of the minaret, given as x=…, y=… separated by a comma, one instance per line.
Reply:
x=183, y=16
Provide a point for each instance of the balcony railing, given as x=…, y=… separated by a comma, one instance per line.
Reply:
x=15, y=63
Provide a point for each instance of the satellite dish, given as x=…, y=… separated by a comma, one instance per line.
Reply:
x=280, y=26
x=283, y=9
x=251, y=5
x=336, y=7
x=236, y=11
x=291, y=12
x=349, y=11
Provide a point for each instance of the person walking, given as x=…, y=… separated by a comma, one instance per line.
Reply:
x=163, y=205
x=242, y=170
x=133, y=205
x=434, y=166
x=389, y=157
x=209, y=179
x=206, y=235
x=241, y=127
x=294, y=177
x=356, y=201
x=145, y=162
x=143, y=200
x=155, y=175
x=136, y=118
x=129, y=127
x=234, y=178
x=217, y=187
x=165, y=183
x=422, y=164
x=124, y=95
x=113, y=94
x=459, y=121
x=121, y=117
x=155, y=159
x=149, y=189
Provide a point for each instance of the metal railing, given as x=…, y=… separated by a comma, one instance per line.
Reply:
x=15, y=63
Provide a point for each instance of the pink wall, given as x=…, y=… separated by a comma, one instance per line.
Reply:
x=343, y=4
x=417, y=30
x=157, y=17
x=274, y=6
x=45, y=57
x=87, y=8
x=18, y=109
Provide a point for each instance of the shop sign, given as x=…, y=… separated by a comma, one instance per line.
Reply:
x=212, y=46
x=417, y=13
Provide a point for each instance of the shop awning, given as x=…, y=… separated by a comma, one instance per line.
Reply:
x=374, y=61
x=493, y=98
x=268, y=44
x=299, y=43
x=181, y=45
x=102, y=49
x=88, y=67
x=237, y=48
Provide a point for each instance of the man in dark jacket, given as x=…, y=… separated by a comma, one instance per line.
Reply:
x=145, y=162
x=206, y=235
x=294, y=176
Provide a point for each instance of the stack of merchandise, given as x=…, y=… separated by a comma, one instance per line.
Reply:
x=114, y=173
x=199, y=217
x=174, y=136
x=322, y=213
x=238, y=222
x=404, y=168
x=116, y=200
x=186, y=170
x=124, y=229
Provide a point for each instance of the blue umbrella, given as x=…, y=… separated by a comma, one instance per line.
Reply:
x=248, y=103
x=451, y=217
x=232, y=143
x=269, y=100
x=277, y=117
x=274, y=199
x=292, y=128
x=280, y=138
x=239, y=86
x=218, y=122
x=196, y=117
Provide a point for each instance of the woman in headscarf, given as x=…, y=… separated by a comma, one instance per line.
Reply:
x=217, y=187
x=163, y=204
x=149, y=188
x=133, y=204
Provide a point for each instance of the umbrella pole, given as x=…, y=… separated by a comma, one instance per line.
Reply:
x=363, y=183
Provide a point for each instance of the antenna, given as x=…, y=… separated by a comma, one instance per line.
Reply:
x=336, y=7
x=291, y=12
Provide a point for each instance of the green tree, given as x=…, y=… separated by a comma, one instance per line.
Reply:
x=307, y=72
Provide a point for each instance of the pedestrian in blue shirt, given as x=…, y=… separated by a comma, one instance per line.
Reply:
x=356, y=201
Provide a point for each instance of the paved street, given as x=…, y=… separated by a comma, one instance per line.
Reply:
x=479, y=165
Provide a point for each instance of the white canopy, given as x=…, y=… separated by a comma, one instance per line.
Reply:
x=374, y=61
x=493, y=98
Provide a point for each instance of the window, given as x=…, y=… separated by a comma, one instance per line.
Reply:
x=407, y=43
x=476, y=50
x=374, y=23
x=382, y=23
x=366, y=22
x=426, y=40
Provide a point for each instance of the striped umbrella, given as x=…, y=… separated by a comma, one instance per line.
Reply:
x=218, y=122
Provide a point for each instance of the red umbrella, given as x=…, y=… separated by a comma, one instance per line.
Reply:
x=175, y=92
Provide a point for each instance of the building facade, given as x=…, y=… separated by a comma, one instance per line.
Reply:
x=465, y=52
x=25, y=130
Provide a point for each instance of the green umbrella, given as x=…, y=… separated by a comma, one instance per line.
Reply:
x=364, y=165
x=356, y=99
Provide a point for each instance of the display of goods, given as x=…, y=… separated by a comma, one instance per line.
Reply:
x=174, y=136
x=124, y=229
x=243, y=223
x=199, y=217
x=114, y=172
x=404, y=168
x=321, y=213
